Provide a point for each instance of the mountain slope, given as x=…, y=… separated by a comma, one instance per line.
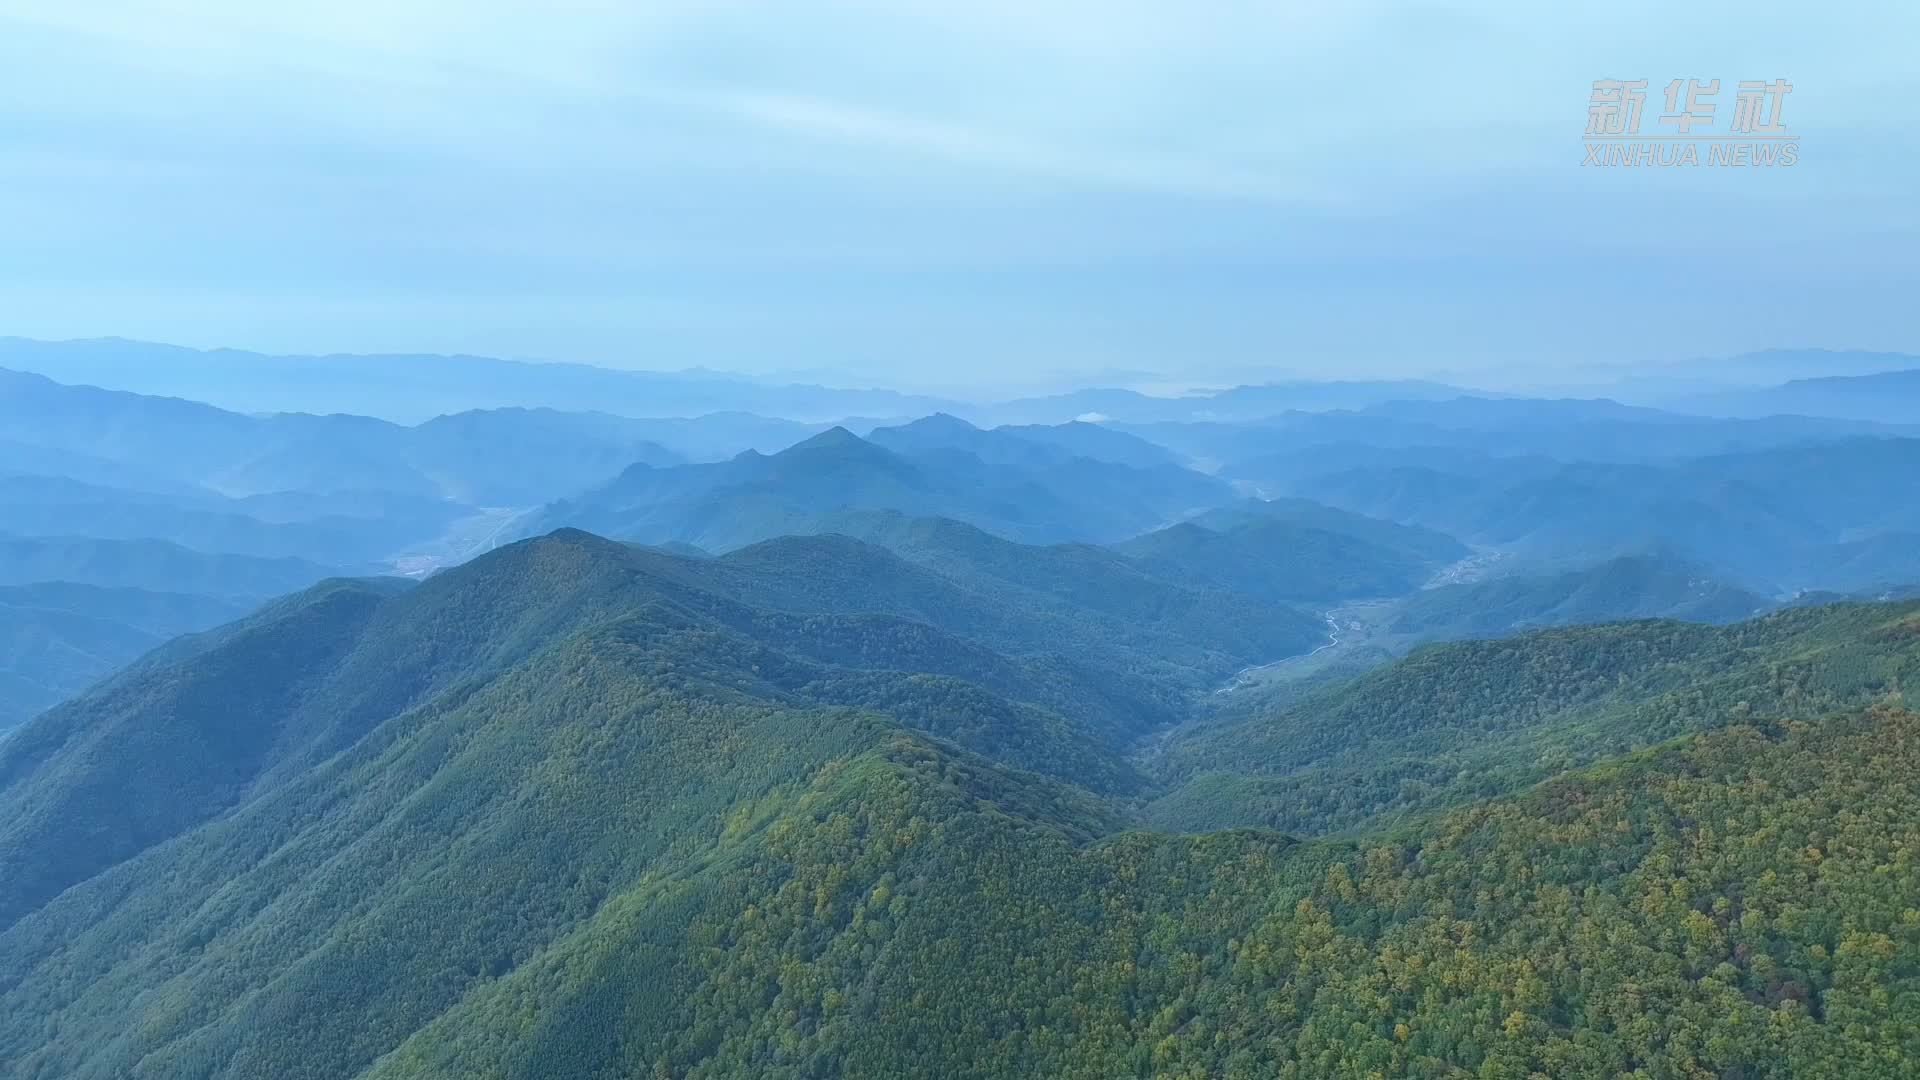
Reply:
x=1426, y=545
x=73, y=610
x=150, y=564
x=294, y=526
x=1095, y=598
x=1667, y=915
x=58, y=638
x=1293, y=550
x=1775, y=518
x=1630, y=587
x=583, y=809
x=864, y=904
x=1471, y=719
x=315, y=673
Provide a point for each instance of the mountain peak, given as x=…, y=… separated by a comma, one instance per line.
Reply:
x=944, y=431
x=835, y=436
x=939, y=423
x=832, y=449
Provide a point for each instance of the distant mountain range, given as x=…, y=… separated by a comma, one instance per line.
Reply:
x=1268, y=450
x=58, y=638
x=1457, y=722
x=1891, y=397
x=414, y=388
x=410, y=389
x=1048, y=496
x=1776, y=520
x=812, y=808
x=1237, y=404
x=1629, y=587
x=150, y=565
x=109, y=483
x=74, y=610
x=1672, y=383
x=1338, y=729
x=1293, y=551
x=503, y=457
x=1769, y=366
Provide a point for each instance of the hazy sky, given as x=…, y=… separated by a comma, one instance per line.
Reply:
x=948, y=194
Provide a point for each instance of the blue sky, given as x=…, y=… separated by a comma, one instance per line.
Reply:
x=947, y=195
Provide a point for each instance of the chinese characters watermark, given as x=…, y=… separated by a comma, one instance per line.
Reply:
x=1755, y=134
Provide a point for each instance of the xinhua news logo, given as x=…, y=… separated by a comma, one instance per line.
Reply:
x=1755, y=134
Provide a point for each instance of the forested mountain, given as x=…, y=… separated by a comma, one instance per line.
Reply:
x=1278, y=561
x=1472, y=719
x=360, y=528
x=755, y=497
x=1629, y=587
x=1027, y=750
x=993, y=542
x=222, y=510
x=1408, y=541
x=813, y=808
x=1089, y=597
x=1783, y=519
x=151, y=565
x=1292, y=550
x=58, y=638
x=311, y=674
x=1668, y=915
x=74, y=610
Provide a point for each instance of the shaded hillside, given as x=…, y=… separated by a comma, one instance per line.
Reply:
x=1784, y=518
x=1293, y=550
x=1088, y=599
x=57, y=639
x=569, y=811
x=335, y=529
x=1630, y=587
x=1411, y=541
x=805, y=622
x=1664, y=915
x=1457, y=721
x=74, y=610
x=149, y=564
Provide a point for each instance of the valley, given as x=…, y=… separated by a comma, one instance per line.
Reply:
x=959, y=541
x=943, y=750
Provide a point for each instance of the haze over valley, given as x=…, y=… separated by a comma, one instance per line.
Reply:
x=555, y=680
x=840, y=540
